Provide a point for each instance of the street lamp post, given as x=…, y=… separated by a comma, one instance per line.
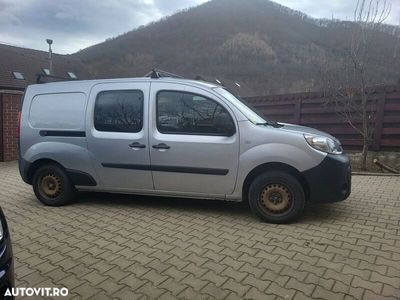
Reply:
x=49, y=41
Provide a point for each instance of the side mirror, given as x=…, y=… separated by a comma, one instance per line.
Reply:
x=223, y=122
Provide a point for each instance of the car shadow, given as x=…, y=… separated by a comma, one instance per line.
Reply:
x=324, y=212
x=127, y=201
x=313, y=212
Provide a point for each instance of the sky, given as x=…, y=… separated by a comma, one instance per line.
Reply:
x=76, y=24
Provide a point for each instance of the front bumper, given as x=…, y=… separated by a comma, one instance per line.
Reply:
x=330, y=181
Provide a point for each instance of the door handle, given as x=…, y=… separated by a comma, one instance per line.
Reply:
x=137, y=145
x=161, y=146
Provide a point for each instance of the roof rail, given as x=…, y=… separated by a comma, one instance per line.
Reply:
x=157, y=73
x=59, y=78
x=216, y=80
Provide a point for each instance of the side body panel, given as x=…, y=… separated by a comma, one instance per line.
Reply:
x=120, y=166
x=198, y=164
x=58, y=142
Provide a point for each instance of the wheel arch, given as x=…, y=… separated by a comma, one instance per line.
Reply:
x=273, y=166
x=37, y=164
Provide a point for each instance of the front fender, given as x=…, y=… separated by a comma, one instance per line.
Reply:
x=298, y=158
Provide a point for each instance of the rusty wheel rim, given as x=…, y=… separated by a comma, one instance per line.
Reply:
x=276, y=198
x=50, y=186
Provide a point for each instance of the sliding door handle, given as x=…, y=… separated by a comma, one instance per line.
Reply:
x=137, y=145
x=161, y=146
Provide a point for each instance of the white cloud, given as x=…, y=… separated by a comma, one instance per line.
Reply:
x=338, y=9
x=76, y=24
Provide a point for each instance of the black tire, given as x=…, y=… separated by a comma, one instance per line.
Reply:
x=276, y=197
x=52, y=186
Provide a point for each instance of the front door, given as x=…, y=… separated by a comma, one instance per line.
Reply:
x=118, y=140
x=194, y=143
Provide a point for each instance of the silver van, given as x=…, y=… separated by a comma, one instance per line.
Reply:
x=173, y=137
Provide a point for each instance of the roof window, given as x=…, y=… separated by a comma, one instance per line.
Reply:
x=18, y=75
x=72, y=75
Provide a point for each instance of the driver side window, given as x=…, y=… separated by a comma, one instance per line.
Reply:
x=187, y=113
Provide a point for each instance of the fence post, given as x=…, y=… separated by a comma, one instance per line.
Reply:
x=379, y=118
x=297, y=112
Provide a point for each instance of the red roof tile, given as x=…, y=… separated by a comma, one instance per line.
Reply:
x=30, y=62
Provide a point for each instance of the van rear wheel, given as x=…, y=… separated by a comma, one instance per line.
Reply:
x=276, y=197
x=52, y=185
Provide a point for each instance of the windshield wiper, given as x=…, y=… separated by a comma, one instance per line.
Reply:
x=271, y=123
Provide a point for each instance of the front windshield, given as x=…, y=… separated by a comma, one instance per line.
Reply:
x=241, y=105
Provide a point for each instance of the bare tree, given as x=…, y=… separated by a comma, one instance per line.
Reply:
x=348, y=84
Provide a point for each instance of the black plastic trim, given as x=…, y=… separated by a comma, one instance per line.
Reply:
x=330, y=181
x=176, y=169
x=127, y=166
x=81, y=178
x=39, y=77
x=173, y=169
x=63, y=133
x=23, y=167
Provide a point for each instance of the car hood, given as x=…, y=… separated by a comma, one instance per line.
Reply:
x=306, y=130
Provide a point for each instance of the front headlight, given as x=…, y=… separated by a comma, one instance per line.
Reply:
x=324, y=144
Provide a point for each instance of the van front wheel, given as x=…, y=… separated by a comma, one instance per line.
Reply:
x=276, y=197
x=52, y=186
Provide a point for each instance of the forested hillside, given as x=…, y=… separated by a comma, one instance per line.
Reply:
x=261, y=44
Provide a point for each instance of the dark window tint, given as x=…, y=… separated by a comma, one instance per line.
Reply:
x=119, y=111
x=186, y=113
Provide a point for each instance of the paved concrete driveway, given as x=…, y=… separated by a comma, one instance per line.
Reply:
x=139, y=247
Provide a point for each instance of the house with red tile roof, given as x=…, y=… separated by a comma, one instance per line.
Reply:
x=19, y=67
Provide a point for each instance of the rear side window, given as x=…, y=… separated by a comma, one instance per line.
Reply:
x=119, y=111
x=187, y=113
x=64, y=111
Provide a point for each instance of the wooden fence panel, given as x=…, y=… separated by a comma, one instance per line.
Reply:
x=311, y=109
